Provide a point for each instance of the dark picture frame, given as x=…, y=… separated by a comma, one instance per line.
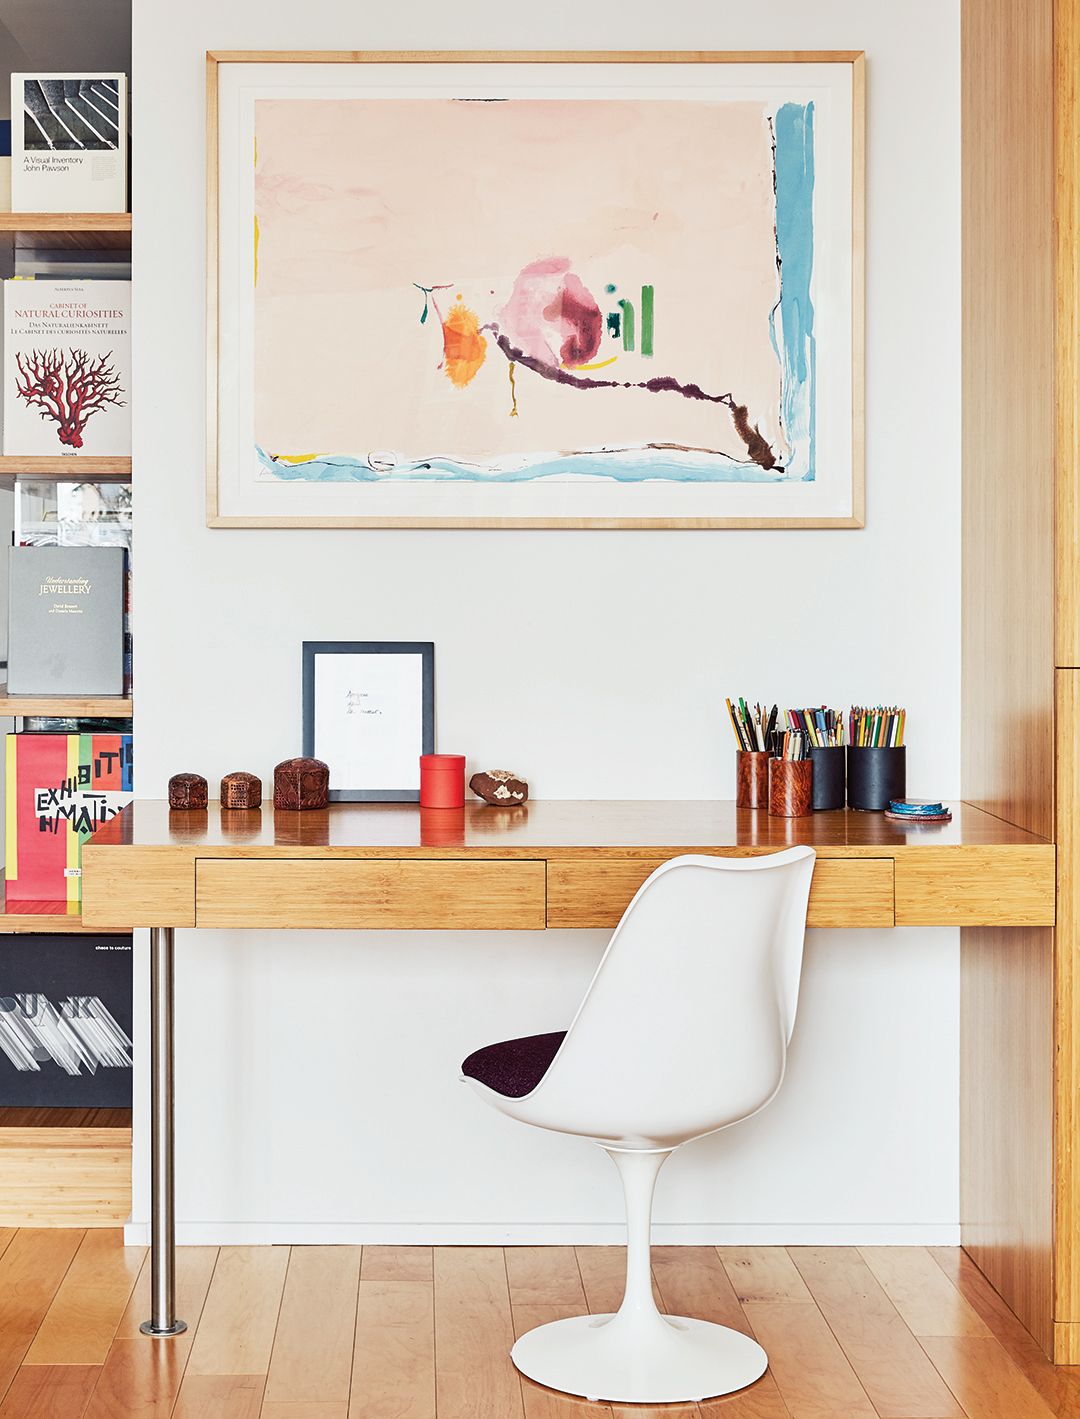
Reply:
x=370, y=722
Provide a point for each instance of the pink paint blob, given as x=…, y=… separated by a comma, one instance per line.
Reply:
x=551, y=316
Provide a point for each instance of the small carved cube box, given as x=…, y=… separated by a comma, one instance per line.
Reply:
x=301, y=783
x=241, y=790
x=187, y=791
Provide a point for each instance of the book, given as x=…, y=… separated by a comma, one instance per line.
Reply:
x=66, y=620
x=69, y=143
x=60, y=789
x=67, y=361
x=5, y=164
x=65, y=1021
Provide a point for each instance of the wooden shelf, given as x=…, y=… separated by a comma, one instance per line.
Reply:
x=56, y=918
x=48, y=917
x=94, y=706
x=65, y=221
x=47, y=1116
x=49, y=469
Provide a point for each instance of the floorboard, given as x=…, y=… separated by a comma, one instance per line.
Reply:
x=603, y=1274
x=426, y=1333
x=891, y=1365
x=474, y=1332
x=50, y=1392
x=984, y=1379
x=764, y=1274
x=220, y=1397
x=393, y=1370
x=813, y=1375
x=82, y=1320
x=315, y=1409
x=926, y=1299
x=1057, y=1385
x=31, y=1270
x=313, y=1346
x=240, y=1316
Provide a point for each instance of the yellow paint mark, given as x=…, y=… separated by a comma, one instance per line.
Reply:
x=74, y=841
x=599, y=366
x=297, y=457
x=513, y=392
x=464, y=348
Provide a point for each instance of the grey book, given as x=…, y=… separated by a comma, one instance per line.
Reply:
x=66, y=621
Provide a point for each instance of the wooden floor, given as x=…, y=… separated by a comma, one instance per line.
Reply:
x=416, y=1332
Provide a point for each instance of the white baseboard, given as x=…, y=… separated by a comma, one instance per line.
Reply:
x=493, y=1234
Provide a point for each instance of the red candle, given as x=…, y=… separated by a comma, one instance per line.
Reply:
x=442, y=780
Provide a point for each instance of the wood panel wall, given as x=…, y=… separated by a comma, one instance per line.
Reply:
x=1006, y=1114
x=1007, y=982
x=1007, y=93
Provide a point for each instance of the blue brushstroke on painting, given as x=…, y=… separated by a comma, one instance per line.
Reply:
x=656, y=466
x=797, y=350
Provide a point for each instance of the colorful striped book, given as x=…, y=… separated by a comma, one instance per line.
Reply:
x=60, y=789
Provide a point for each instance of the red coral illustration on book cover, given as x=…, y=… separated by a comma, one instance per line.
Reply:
x=68, y=387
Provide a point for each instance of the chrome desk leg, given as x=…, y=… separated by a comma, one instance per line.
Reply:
x=162, y=1224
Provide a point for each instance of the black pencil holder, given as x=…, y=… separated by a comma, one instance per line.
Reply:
x=874, y=776
x=829, y=766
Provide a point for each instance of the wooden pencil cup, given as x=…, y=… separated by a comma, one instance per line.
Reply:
x=752, y=778
x=791, y=788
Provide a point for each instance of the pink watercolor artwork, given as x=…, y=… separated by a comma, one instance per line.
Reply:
x=534, y=289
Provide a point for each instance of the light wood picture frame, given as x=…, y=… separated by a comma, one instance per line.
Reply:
x=565, y=290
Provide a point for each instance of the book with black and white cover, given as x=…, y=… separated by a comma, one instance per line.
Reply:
x=67, y=363
x=66, y=620
x=69, y=143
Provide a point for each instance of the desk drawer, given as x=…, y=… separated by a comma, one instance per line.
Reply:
x=977, y=886
x=420, y=895
x=845, y=891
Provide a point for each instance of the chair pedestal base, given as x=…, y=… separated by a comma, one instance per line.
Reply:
x=639, y=1358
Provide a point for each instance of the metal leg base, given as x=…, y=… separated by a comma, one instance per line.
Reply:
x=177, y=1328
x=162, y=1320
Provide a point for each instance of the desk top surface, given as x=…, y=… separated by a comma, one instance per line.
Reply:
x=541, y=828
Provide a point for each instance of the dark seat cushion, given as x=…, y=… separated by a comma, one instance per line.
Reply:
x=513, y=1068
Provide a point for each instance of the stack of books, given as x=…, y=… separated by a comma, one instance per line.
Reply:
x=917, y=810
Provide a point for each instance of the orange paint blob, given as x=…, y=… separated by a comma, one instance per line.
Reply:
x=464, y=348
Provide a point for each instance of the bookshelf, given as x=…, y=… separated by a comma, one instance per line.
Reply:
x=83, y=223
x=63, y=469
x=87, y=231
x=34, y=1140
x=94, y=706
x=40, y=916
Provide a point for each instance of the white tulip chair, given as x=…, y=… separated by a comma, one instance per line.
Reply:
x=683, y=1031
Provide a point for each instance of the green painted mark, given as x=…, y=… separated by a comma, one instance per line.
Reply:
x=627, y=324
x=646, y=320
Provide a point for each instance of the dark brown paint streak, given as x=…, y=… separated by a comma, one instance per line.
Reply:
x=756, y=445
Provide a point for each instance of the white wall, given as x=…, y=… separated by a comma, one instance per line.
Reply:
x=594, y=663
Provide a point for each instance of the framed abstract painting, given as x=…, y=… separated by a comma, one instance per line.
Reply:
x=535, y=290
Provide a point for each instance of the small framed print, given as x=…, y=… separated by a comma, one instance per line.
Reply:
x=369, y=713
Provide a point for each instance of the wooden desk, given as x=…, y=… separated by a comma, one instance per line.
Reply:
x=528, y=867
x=541, y=864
